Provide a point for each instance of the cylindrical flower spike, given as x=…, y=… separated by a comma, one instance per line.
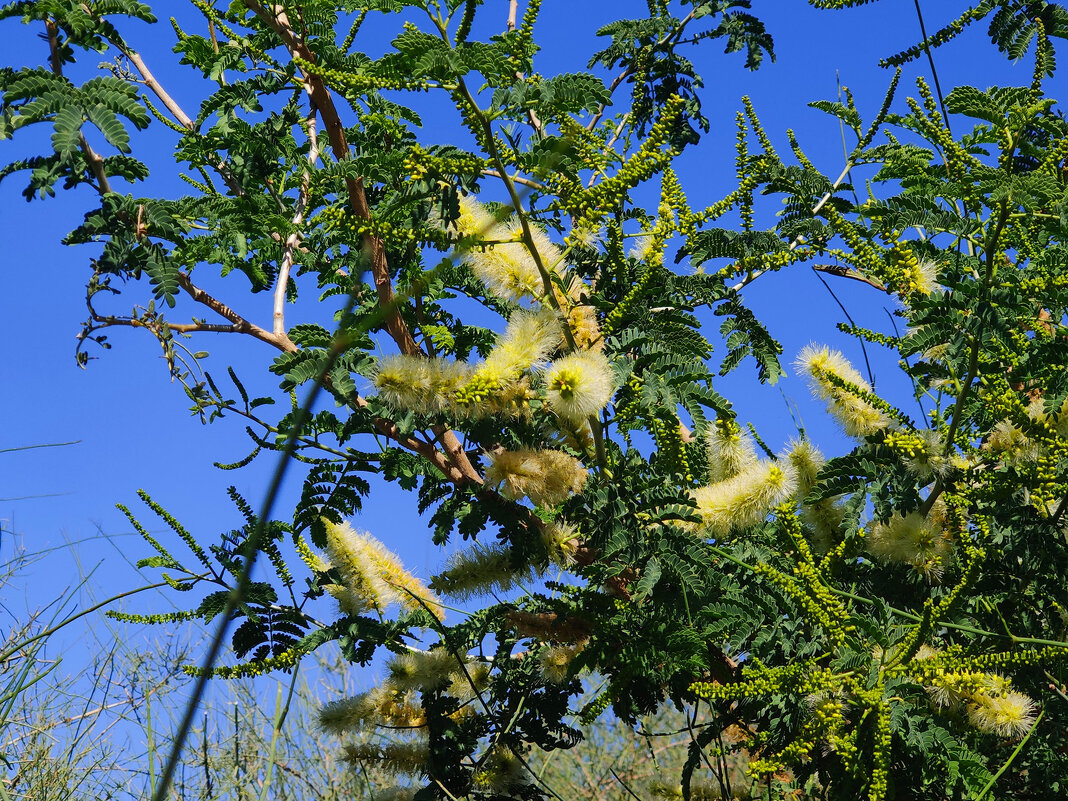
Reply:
x=561, y=540
x=746, y=499
x=424, y=386
x=1009, y=714
x=913, y=539
x=858, y=417
x=405, y=759
x=479, y=571
x=547, y=477
x=528, y=341
x=384, y=705
x=807, y=461
x=372, y=575
x=422, y=670
x=579, y=385
x=508, y=269
x=730, y=450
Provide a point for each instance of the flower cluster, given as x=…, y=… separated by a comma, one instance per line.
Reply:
x=546, y=477
x=372, y=577
x=833, y=379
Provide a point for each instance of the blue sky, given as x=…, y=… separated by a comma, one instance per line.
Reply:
x=132, y=424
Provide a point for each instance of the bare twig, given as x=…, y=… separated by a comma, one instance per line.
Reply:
x=240, y=324
x=518, y=179
x=797, y=240
x=293, y=240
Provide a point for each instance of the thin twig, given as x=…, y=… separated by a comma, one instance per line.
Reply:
x=293, y=240
x=798, y=239
x=280, y=341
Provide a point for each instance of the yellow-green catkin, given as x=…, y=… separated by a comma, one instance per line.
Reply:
x=384, y=705
x=528, y=341
x=421, y=385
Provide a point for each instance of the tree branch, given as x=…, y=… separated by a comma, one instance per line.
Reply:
x=240, y=324
x=293, y=240
x=179, y=114
x=674, y=33
x=321, y=99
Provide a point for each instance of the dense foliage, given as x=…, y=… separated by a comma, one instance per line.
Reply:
x=885, y=623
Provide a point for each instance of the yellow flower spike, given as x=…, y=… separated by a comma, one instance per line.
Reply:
x=745, y=499
x=826, y=369
x=923, y=542
x=481, y=571
x=546, y=477
x=730, y=450
x=579, y=385
x=372, y=576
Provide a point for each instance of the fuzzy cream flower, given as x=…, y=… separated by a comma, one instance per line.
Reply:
x=858, y=417
x=746, y=499
x=730, y=450
x=561, y=540
x=372, y=576
x=414, y=383
x=547, y=477
x=420, y=671
x=919, y=541
x=807, y=461
x=506, y=266
x=403, y=759
x=1009, y=714
x=528, y=341
x=554, y=662
x=480, y=571
x=921, y=277
x=579, y=385
x=384, y=705
x=502, y=772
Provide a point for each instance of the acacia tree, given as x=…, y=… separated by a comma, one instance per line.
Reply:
x=885, y=623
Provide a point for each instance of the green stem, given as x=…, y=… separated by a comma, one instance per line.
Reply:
x=1012, y=756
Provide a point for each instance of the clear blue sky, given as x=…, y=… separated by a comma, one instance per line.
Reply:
x=133, y=425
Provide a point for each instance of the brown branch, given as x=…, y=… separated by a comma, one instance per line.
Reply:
x=179, y=114
x=323, y=102
x=321, y=98
x=513, y=11
x=157, y=89
x=157, y=326
x=240, y=324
